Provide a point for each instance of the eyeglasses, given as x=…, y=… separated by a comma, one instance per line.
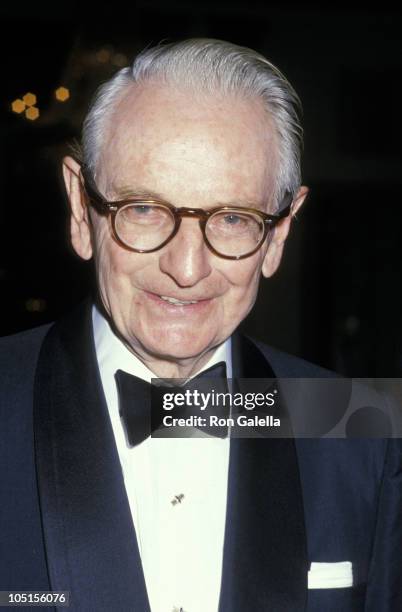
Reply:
x=146, y=225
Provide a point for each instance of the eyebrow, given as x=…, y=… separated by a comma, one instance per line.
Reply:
x=139, y=192
x=125, y=192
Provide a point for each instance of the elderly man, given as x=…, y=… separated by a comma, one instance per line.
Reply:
x=184, y=194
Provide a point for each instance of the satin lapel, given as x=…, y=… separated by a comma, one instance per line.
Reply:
x=89, y=536
x=265, y=558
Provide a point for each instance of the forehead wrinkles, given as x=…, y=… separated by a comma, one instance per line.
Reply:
x=158, y=132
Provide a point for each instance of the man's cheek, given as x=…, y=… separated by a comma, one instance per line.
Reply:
x=116, y=260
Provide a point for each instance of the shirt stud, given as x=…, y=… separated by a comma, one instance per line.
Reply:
x=177, y=500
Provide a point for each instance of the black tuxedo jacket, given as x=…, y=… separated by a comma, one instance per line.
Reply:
x=65, y=522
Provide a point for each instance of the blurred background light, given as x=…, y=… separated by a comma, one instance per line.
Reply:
x=29, y=99
x=35, y=305
x=18, y=106
x=62, y=94
x=32, y=113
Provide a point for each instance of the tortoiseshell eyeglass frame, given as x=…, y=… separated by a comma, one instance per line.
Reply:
x=105, y=207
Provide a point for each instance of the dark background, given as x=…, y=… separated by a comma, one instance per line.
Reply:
x=337, y=299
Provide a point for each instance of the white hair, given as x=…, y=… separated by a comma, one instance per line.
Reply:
x=208, y=66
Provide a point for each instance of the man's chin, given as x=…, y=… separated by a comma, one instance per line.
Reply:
x=179, y=351
x=183, y=353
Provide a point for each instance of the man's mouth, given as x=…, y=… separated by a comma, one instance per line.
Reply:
x=177, y=302
x=174, y=301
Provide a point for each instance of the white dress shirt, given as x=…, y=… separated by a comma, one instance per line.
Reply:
x=180, y=543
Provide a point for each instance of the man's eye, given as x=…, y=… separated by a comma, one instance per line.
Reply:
x=233, y=224
x=139, y=211
x=144, y=215
x=232, y=219
x=142, y=209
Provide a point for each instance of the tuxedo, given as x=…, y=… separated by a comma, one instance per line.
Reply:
x=65, y=518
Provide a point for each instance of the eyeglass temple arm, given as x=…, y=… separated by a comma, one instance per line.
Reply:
x=286, y=205
x=92, y=191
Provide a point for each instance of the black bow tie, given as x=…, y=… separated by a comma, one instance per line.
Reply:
x=141, y=404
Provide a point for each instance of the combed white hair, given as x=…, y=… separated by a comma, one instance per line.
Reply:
x=209, y=66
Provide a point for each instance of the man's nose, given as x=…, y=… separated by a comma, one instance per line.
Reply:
x=186, y=258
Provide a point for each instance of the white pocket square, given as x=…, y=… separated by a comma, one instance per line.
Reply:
x=330, y=575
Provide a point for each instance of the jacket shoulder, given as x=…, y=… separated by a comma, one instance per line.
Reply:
x=19, y=344
x=18, y=356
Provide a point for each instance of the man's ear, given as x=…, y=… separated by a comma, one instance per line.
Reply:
x=274, y=252
x=80, y=230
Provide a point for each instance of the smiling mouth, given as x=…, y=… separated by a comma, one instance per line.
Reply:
x=172, y=300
